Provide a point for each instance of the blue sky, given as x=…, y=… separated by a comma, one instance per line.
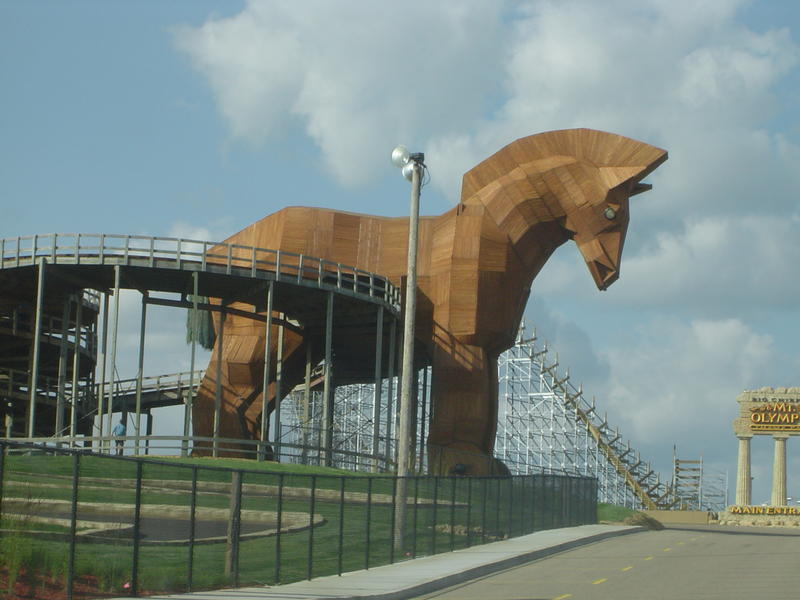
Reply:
x=106, y=127
x=194, y=118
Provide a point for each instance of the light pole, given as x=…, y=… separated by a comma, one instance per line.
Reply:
x=412, y=166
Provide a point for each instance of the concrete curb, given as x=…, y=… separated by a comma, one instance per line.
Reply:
x=424, y=575
x=486, y=569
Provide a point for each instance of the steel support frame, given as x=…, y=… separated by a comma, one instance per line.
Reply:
x=542, y=425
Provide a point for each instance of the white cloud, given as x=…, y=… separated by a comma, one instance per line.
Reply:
x=184, y=230
x=701, y=87
x=729, y=265
x=570, y=342
x=358, y=76
x=722, y=267
x=677, y=381
x=725, y=263
x=461, y=80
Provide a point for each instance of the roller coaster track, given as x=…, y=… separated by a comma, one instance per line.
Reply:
x=637, y=473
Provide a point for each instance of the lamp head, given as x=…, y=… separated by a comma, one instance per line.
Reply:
x=400, y=156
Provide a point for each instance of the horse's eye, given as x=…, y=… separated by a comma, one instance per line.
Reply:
x=609, y=213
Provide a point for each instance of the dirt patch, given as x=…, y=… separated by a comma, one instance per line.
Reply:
x=643, y=520
x=30, y=586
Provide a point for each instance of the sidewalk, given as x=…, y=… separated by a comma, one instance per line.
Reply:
x=423, y=575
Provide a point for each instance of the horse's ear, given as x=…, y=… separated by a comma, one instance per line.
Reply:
x=613, y=176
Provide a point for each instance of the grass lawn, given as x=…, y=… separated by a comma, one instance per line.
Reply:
x=613, y=513
x=450, y=513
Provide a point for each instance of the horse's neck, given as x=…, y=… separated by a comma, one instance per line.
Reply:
x=532, y=225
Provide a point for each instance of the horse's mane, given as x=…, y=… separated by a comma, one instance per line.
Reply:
x=618, y=157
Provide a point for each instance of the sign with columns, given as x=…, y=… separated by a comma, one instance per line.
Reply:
x=767, y=411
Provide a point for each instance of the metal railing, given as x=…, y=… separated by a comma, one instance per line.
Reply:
x=53, y=331
x=171, y=445
x=16, y=384
x=187, y=254
x=157, y=384
x=104, y=526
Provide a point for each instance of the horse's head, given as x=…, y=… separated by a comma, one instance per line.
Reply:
x=570, y=184
x=599, y=223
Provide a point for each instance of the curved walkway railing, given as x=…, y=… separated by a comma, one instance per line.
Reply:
x=171, y=445
x=54, y=330
x=186, y=254
x=171, y=382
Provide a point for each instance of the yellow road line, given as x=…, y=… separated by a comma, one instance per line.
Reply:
x=626, y=568
x=648, y=558
x=563, y=597
x=681, y=543
x=599, y=581
x=667, y=549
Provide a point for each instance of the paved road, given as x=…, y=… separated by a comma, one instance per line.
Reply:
x=692, y=564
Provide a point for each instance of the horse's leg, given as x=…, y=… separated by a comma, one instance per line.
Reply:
x=464, y=420
x=293, y=368
x=242, y=377
x=238, y=382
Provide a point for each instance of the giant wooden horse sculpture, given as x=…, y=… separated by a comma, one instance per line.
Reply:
x=476, y=265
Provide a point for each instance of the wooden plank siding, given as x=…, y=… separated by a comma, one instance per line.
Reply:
x=477, y=262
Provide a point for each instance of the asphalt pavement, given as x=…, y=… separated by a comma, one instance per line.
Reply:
x=678, y=563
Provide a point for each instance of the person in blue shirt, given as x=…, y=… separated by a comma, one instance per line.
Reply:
x=119, y=431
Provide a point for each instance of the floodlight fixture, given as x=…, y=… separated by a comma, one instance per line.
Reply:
x=400, y=156
x=407, y=161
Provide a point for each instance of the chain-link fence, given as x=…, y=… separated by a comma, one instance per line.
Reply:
x=92, y=525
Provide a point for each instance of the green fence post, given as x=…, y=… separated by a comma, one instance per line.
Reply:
x=3, y=449
x=312, y=507
x=192, y=524
x=483, y=510
x=278, y=526
x=433, y=513
x=510, y=507
x=391, y=526
x=137, y=514
x=73, y=520
x=469, y=512
x=414, y=518
x=452, y=513
x=342, y=481
x=368, y=520
x=234, y=527
x=497, y=511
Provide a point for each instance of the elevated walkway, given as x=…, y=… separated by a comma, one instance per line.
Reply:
x=55, y=287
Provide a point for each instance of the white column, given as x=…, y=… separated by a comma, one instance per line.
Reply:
x=743, y=472
x=779, y=471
